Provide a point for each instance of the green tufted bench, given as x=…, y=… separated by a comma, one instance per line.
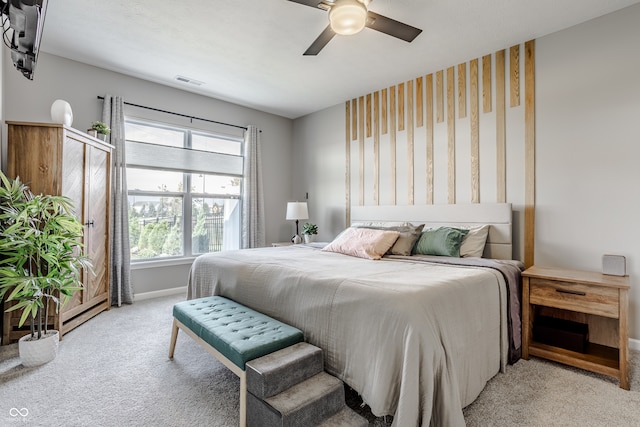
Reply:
x=233, y=333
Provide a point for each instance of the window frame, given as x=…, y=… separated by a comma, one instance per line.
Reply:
x=186, y=195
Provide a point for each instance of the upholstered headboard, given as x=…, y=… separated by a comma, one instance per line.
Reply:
x=497, y=215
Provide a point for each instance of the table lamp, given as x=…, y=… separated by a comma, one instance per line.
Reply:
x=297, y=211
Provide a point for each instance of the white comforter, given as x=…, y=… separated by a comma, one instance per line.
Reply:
x=417, y=340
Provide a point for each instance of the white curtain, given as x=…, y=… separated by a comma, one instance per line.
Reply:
x=253, y=199
x=113, y=116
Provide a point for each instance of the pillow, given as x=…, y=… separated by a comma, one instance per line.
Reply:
x=443, y=241
x=406, y=240
x=473, y=243
x=409, y=235
x=363, y=242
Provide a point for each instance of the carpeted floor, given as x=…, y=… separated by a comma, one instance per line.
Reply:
x=114, y=371
x=542, y=393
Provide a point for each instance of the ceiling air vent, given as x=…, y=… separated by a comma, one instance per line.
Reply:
x=183, y=79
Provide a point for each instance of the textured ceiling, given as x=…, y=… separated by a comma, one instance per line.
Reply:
x=250, y=51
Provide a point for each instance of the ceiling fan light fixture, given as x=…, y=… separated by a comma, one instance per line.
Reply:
x=348, y=17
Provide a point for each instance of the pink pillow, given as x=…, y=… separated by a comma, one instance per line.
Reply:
x=363, y=242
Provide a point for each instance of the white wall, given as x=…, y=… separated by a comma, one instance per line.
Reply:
x=319, y=169
x=587, y=149
x=80, y=84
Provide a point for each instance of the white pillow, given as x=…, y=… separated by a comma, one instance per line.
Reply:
x=473, y=243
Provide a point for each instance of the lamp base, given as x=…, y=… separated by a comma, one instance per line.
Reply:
x=296, y=239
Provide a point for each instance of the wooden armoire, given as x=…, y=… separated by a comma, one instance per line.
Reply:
x=56, y=159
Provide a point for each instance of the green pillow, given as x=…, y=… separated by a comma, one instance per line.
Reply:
x=443, y=241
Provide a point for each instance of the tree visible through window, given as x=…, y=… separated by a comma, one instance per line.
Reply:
x=184, y=191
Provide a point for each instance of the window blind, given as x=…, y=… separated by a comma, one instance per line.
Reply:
x=182, y=159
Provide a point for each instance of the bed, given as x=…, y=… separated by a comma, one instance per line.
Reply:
x=417, y=337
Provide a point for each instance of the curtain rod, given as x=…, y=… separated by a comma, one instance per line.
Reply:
x=179, y=114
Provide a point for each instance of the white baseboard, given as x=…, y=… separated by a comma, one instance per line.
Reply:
x=160, y=293
x=634, y=344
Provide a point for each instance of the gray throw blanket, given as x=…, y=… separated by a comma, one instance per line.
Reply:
x=511, y=271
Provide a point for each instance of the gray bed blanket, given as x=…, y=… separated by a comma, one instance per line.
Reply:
x=511, y=271
x=417, y=340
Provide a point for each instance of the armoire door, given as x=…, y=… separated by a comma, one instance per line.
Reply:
x=96, y=222
x=73, y=184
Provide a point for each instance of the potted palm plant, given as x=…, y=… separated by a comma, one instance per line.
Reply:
x=40, y=262
x=309, y=230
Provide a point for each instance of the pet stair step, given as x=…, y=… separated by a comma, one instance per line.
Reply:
x=347, y=417
x=304, y=404
x=276, y=372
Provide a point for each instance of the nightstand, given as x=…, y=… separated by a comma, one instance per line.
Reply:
x=597, y=299
x=278, y=244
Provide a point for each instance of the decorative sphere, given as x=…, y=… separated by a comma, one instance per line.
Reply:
x=61, y=112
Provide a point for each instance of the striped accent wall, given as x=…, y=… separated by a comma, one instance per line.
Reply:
x=450, y=136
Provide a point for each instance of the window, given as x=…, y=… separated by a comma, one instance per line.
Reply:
x=184, y=189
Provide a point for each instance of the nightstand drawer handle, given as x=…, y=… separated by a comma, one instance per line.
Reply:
x=565, y=291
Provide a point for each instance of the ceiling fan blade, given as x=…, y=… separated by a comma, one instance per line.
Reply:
x=312, y=3
x=322, y=40
x=392, y=27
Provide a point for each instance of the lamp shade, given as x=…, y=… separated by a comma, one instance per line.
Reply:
x=297, y=210
x=347, y=17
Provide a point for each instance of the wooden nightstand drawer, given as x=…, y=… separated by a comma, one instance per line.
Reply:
x=578, y=297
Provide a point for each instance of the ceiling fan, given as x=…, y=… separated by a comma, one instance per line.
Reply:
x=347, y=17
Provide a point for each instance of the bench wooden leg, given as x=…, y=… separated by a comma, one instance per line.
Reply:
x=229, y=364
x=174, y=338
x=243, y=399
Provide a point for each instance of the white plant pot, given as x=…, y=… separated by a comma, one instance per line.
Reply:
x=309, y=238
x=38, y=352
